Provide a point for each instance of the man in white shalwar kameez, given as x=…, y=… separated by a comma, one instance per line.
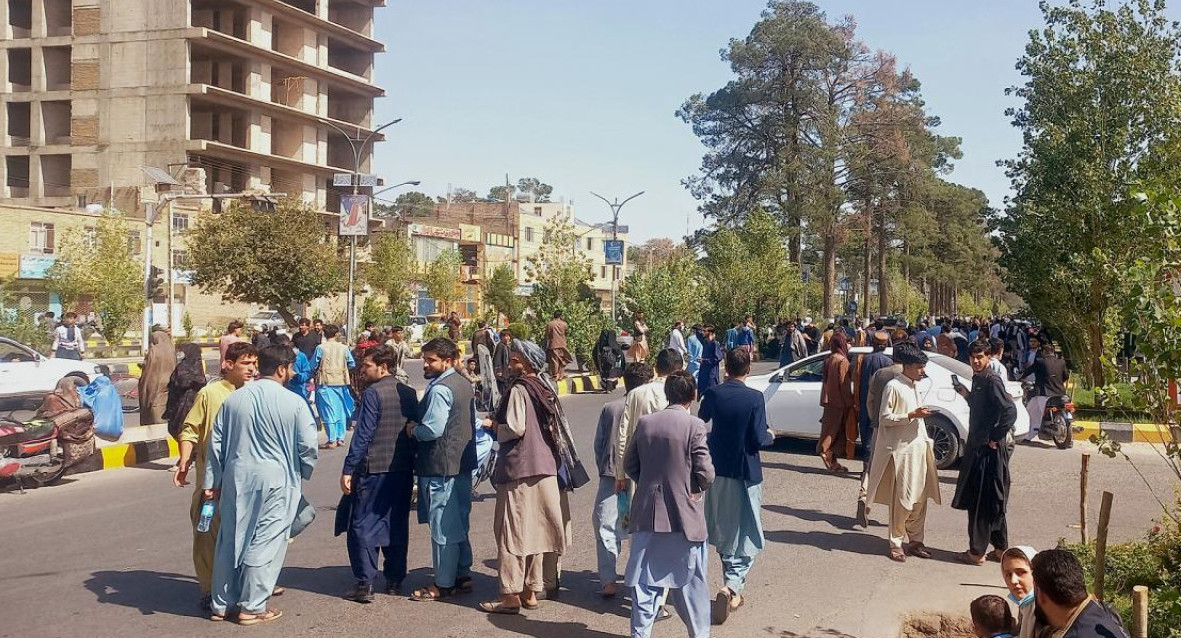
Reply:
x=906, y=476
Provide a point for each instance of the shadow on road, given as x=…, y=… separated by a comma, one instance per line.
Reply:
x=836, y=520
x=525, y=626
x=804, y=469
x=149, y=592
x=332, y=580
x=852, y=542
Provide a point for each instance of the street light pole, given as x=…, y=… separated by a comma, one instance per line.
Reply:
x=614, y=238
x=351, y=312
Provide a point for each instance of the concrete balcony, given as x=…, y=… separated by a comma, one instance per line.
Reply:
x=235, y=47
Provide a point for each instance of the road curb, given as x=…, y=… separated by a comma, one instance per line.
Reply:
x=120, y=455
x=1125, y=432
x=579, y=384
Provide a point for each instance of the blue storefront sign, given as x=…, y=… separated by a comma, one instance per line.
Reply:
x=35, y=266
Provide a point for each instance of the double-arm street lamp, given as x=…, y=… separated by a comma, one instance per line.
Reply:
x=357, y=144
x=615, y=206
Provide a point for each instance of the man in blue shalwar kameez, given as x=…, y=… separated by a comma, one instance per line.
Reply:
x=263, y=443
x=444, y=459
x=694, y=350
x=734, y=502
x=378, y=475
x=334, y=396
x=301, y=369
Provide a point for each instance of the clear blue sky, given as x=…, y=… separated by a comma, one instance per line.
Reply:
x=582, y=94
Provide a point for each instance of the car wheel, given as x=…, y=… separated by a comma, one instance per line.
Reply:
x=946, y=441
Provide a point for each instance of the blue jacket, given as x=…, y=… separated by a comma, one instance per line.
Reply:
x=739, y=419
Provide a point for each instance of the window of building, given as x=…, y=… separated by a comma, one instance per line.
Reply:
x=180, y=259
x=528, y=234
x=602, y=272
x=537, y=211
x=590, y=244
x=133, y=243
x=41, y=238
x=180, y=222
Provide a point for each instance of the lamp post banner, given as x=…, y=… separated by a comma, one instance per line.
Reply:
x=354, y=215
x=613, y=251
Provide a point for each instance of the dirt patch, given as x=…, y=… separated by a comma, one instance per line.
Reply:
x=936, y=625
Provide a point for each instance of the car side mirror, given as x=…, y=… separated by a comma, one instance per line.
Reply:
x=777, y=378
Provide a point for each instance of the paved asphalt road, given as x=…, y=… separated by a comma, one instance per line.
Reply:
x=107, y=554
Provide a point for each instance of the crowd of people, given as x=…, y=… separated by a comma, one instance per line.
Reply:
x=667, y=485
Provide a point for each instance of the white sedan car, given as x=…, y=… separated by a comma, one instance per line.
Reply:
x=26, y=375
x=792, y=396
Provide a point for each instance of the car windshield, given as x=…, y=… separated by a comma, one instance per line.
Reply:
x=11, y=351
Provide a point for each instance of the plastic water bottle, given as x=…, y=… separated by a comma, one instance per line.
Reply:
x=206, y=517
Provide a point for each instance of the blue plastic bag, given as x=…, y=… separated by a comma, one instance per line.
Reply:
x=103, y=400
x=623, y=505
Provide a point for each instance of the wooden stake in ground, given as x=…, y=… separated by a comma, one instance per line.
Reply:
x=1082, y=496
x=1101, y=545
x=1139, y=611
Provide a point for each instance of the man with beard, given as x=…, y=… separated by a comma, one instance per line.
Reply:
x=242, y=359
x=983, y=485
x=378, y=476
x=262, y=446
x=445, y=458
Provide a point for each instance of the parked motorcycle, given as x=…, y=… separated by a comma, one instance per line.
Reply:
x=1057, y=422
x=39, y=452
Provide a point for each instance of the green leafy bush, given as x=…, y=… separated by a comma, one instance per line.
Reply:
x=520, y=330
x=1154, y=562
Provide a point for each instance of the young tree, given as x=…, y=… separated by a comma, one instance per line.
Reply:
x=442, y=279
x=500, y=292
x=561, y=272
x=391, y=270
x=101, y=266
x=747, y=272
x=1102, y=100
x=19, y=323
x=669, y=291
x=273, y=259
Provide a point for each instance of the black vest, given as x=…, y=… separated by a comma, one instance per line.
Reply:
x=390, y=450
x=445, y=455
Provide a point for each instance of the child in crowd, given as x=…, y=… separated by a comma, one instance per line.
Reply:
x=991, y=617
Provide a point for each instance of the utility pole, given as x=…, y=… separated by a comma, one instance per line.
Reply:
x=615, y=206
x=357, y=145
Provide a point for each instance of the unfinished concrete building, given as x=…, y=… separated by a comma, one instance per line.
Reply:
x=90, y=90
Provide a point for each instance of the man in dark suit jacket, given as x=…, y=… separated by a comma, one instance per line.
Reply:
x=734, y=503
x=669, y=461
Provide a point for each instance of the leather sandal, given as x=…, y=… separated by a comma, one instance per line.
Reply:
x=253, y=619
x=427, y=595
x=498, y=607
x=968, y=558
